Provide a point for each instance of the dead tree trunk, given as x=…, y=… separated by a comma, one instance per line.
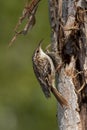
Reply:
x=68, y=19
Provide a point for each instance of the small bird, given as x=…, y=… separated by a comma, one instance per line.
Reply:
x=45, y=73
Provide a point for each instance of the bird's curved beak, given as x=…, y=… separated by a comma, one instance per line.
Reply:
x=40, y=43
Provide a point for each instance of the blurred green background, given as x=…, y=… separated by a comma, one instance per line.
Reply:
x=22, y=103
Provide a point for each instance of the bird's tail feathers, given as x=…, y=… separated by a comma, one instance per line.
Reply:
x=59, y=97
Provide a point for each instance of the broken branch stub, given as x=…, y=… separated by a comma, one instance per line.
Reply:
x=28, y=13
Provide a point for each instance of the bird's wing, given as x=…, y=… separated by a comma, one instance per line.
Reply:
x=42, y=72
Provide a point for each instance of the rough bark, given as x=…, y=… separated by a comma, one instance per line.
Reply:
x=68, y=19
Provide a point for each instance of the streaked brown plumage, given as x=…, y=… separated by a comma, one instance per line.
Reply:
x=45, y=73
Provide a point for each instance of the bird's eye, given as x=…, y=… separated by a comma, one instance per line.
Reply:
x=37, y=51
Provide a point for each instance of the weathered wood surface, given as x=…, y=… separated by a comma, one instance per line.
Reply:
x=68, y=20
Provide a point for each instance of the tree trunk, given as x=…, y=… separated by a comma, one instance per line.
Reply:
x=68, y=19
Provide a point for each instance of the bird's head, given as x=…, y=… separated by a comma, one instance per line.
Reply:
x=38, y=53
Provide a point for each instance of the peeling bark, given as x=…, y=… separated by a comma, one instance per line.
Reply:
x=68, y=19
